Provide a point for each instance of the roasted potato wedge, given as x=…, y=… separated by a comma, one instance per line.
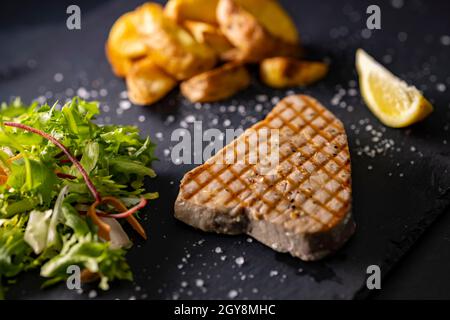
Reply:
x=124, y=44
x=120, y=65
x=171, y=46
x=198, y=10
x=147, y=83
x=216, y=84
x=124, y=38
x=249, y=36
x=210, y=35
x=281, y=72
x=271, y=15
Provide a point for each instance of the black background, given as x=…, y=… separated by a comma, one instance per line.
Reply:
x=391, y=211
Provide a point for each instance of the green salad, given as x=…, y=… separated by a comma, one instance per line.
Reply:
x=69, y=188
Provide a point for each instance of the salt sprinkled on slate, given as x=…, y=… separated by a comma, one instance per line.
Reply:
x=402, y=36
x=189, y=119
x=233, y=294
x=83, y=93
x=58, y=77
x=159, y=136
x=366, y=34
x=166, y=152
x=273, y=273
x=441, y=87
x=261, y=98
x=199, y=282
x=397, y=3
x=125, y=104
x=123, y=94
x=170, y=119
x=239, y=261
x=103, y=92
x=445, y=40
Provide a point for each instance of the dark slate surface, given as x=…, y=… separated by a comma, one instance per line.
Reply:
x=397, y=193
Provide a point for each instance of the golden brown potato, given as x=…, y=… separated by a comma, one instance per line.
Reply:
x=269, y=13
x=147, y=83
x=273, y=18
x=172, y=47
x=124, y=38
x=280, y=72
x=248, y=35
x=124, y=44
x=210, y=35
x=216, y=84
x=120, y=65
x=198, y=10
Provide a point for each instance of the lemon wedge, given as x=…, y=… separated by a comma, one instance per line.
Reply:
x=392, y=100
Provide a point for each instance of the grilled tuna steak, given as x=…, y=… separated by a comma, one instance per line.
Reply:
x=302, y=205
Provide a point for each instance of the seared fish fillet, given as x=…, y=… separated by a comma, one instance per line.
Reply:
x=302, y=205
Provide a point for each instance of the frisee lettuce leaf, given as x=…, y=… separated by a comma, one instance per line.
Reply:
x=40, y=226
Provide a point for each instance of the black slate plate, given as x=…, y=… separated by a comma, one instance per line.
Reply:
x=397, y=193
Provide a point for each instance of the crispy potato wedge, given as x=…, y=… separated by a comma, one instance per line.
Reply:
x=210, y=35
x=147, y=83
x=120, y=65
x=273, y=18
x=216, y=84
x=125, y=45
x=124, y=38
x=171, y=46
x=248, y=35
x=198, y=10
x=281, y=72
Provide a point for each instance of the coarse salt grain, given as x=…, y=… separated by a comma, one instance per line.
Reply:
x=190, y=119
x=445, y=40
x=261, y=98
x=92, y=294
x=125, y=104
x=58, y=77
x=233, y=294
x=199, y=282
x=273, y=273
x=441, y=87
x=239, y=261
